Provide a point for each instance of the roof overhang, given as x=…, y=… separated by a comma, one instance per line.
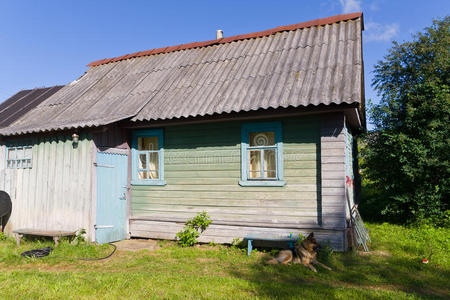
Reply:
x=349, y=110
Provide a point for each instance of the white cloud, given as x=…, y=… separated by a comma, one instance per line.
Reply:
x=350, y=5
x=379, y=32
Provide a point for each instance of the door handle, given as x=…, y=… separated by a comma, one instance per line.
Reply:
x=103, y=226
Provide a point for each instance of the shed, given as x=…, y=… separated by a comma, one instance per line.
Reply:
x=258, y=129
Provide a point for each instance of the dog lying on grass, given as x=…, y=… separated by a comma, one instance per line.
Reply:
x=304, y=253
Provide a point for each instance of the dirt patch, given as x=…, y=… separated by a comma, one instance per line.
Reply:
x=137, y=244
x=207, y=260
x=382, y=253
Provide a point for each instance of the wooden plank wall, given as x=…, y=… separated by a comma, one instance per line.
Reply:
x=55, y=194
x=111, y=136
x=333, y=172
x=202, y=169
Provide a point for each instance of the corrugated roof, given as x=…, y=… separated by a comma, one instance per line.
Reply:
x=318, y=22
x=22, y=102
x=296, y=65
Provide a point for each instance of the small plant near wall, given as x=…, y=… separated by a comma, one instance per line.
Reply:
x=80, y=237
x=300, y=239
x=325, y=252
x=194, y=227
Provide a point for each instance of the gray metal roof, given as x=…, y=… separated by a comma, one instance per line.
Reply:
x=302, y=67
x=22, y=102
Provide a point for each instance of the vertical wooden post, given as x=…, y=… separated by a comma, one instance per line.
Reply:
x=18, y=238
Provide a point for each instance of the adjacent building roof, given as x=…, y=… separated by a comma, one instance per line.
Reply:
x=312, y=63
x=19, y=104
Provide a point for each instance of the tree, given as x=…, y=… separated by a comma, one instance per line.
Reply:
x=406, y=157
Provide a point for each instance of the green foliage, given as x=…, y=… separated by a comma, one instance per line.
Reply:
x=188, y=236
x=406, y=159
x=80, y=238
x=238, y=243
x=200, y=221
x=3, y=236
x=301, y=238
x=194, y=227
x=274, y=252
x=325, y=252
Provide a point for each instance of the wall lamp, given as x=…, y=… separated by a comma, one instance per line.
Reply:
x=75, y=140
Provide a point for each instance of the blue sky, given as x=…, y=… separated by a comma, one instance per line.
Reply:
x=49, y=42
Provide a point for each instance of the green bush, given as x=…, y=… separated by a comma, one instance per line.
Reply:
x=3, y=236
x=80, y=236
x=200, y=221
x=194, y=227
x=188, y=237
x=301, y=238
x=325, y=252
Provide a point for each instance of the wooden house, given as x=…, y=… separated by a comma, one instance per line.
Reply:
x=257, y=129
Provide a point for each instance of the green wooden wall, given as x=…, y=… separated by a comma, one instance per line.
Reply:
x=202, y=171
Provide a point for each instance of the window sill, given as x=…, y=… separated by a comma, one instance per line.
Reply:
x=148, y=182
x=262, y=183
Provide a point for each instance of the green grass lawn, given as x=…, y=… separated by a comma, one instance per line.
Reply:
x=393, y=270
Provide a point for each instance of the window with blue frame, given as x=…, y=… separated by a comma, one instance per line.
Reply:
x=262, y=154
x=148, y=157
x=19, y=155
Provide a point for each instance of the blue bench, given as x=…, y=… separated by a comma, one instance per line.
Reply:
x=289, y=239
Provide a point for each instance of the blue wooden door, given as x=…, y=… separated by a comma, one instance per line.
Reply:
x=111, y=197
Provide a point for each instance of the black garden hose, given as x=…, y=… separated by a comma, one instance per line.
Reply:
x=39, y=253
x=101, y=258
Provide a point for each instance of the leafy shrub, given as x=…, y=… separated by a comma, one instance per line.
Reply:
x=325, y=252
x=274, y=252
x=200, y=221
x=238, y=243
x=3, y=236
x=194, y=227
x=80, y=236
x=188, y=237
x=301, y=238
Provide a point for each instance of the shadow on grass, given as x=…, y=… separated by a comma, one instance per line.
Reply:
x=352, y=276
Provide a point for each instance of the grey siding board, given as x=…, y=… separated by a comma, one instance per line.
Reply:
x=55, y=194
x=219, y=233
x=333, y=170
